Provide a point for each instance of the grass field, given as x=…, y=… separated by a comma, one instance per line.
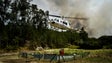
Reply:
x=94, y=56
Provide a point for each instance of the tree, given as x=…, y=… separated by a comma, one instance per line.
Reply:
x=83, y=34
x=106, y=41
x=4, y=18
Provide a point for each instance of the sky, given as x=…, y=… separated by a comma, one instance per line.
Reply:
x=98, y=12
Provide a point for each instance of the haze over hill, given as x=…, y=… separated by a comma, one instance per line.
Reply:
x=98, y=12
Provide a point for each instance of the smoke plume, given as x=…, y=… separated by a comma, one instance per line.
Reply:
x=98, y=12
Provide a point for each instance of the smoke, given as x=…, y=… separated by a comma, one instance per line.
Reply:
x=100, y=22
x=98, y=12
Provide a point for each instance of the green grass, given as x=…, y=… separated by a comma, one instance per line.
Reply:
x=87, y=56
x=98, y=56
x=98, y=60
x=95, y=56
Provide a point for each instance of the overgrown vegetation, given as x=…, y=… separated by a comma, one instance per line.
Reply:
x=24, y=25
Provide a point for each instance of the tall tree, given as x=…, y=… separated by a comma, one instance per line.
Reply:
x=4, y=18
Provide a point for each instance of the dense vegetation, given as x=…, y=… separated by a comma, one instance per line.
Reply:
x=24, y=25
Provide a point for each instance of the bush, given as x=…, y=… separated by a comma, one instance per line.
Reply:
x=73, y=47
x=107, y=47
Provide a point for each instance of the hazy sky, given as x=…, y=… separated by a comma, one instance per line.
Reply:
x=99, y=13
